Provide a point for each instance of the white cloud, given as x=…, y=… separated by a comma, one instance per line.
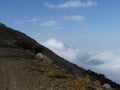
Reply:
x=105, y=62
x=74, y=18
x=72, y=4
x=49, y=23
x=62, y=50
x=17, y=22
x=53, y=43
x=52, y=24
x=32, y=20
x=28, y=20
x=105, y=56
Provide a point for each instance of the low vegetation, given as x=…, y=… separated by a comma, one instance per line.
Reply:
x=56, y=74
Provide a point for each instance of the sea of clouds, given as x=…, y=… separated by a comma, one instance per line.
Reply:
x=105, y=62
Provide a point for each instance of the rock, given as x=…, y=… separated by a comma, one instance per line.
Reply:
x=44, y=58
x=107, y=86
x=39, y=56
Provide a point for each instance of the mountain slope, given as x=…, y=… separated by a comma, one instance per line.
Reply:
x=10, y=37
x=19, y=70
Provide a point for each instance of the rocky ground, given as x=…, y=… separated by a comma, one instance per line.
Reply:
x=11, y=73
x=19, y=70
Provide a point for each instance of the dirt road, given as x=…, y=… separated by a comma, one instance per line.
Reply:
x=12, y=76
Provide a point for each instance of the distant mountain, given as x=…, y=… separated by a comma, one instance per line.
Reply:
x=20, y=70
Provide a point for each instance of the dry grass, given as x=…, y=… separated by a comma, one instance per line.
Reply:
x=56, y=74
x=76, y=84
x=97, y=84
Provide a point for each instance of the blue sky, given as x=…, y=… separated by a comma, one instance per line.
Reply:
x=71, y=27
x=96, y=25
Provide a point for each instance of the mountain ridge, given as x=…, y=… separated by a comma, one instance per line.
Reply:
x=21, y=42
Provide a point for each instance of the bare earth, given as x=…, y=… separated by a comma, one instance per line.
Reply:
x=12, y=77
x=20, y=72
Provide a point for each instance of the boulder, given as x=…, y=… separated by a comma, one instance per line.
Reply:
x=39, y=56
x=107, y=86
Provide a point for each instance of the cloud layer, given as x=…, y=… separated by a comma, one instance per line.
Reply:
x=58, y=47
x=72, y=4
x=106, y=62
x=28, y=20
x=74, y=18
x=49, y=23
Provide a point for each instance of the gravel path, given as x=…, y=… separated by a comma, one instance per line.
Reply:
x=12, y=76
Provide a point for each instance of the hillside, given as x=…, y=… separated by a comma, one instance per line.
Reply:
x=20, y=70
